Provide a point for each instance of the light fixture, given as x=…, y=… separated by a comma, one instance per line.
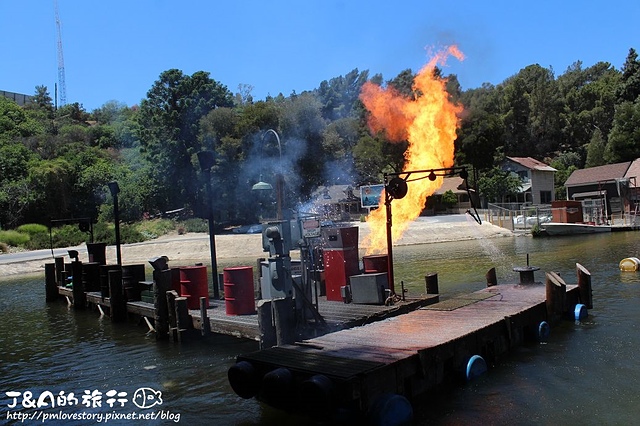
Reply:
x=432, y=176
x=262, y=186
x=73, y=254
x=159, y=263
x=114, y=188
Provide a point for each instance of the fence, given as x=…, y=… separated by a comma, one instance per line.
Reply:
x=520, y=218
x=524, y=218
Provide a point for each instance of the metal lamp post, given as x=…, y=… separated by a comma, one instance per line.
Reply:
x=206, y=160
x=115, y=190
x=279, y=178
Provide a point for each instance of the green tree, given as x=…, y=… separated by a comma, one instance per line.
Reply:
x=565, y=164
x=629, y=89
x=589, y=103
x=478, y=137
x=624, y=139
x=339, y=95
x=15, y=123
x=302, y=129
x=41, y=103
x=169, y=127
x=595, y=150
x=497, y=184
x=449, y=199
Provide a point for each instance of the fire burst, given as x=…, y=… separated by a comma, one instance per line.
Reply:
x=428, y=122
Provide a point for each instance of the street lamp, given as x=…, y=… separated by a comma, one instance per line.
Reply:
x=262, y=186
x=207, y=160
x=115, y=190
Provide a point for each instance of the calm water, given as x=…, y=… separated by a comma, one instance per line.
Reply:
x=587, y=373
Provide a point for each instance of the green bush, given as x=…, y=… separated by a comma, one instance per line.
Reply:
x=104, y=233
x=196, y=225
x=39, y=241
x=129, y=234
x=33, y=229
x=68, y=236
x=39, y=236
x=536, y=231
x=155, y=227
x=14, y=238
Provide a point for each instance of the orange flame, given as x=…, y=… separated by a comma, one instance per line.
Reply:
x=428, y=122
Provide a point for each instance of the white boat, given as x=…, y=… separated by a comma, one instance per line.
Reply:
x=557, y=228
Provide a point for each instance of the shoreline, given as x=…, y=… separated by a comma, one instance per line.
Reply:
x=194, y=247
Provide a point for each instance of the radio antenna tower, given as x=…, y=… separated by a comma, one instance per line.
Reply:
x=61, y=80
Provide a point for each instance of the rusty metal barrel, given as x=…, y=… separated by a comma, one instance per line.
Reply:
x=238, y=290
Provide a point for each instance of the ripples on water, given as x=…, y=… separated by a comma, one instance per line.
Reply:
x=586, y=373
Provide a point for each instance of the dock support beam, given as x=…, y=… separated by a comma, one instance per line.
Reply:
x=556, y=292
x=206, y=325
x=79, y=296
x=431, y=280
x=116, y=297
x=284, y=316
x=584, y=286
x=171, y=296
x=60, y=275
x=265, y=324
x=492, y=279
x=51, y=284
x=182, y=317
x=162, y=284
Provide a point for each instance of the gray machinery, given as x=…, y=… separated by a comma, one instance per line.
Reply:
x=282, y=278
x=276, y=279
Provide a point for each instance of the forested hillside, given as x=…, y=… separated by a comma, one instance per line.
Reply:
x=56, y=163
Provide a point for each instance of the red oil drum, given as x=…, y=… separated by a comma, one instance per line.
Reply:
x=238, y=290
x=194, y=285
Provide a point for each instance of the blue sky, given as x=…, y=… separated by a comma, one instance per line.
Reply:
x=115, y=50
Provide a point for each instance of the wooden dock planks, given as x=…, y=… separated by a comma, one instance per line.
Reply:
x=431, y=326
x=337, y=315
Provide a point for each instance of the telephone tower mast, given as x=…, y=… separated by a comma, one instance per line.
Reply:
x=61, y=79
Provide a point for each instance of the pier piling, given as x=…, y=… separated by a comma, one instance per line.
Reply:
x=116, y=297
x=492, y=279
x=79, y=296
x=51, y=284
x=265, y=324
x=431, y=281
x=161, y=285
x=584, y=286
x=556, y=293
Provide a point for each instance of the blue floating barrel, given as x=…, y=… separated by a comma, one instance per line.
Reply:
x=243, y=379
x=544, y=330
x=390, y=409
x=580, y=312
x=277, y=388
x=316, y=395
x=475, y=367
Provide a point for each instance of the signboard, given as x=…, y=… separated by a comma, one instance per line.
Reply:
x=370, y=195
x=311, y=228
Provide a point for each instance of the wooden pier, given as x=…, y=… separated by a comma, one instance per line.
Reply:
x=374, y=371
x=169, y=316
